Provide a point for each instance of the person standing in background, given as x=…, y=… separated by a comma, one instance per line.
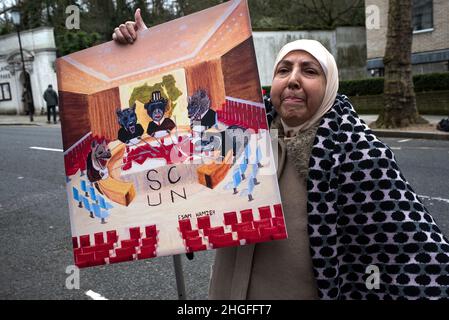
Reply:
x=51, y=98
x=27, y=100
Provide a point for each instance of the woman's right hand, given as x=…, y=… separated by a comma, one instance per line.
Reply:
x=127, y=33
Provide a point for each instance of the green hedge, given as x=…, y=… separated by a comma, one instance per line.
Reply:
x=431, y=82
x=372, y=86
x=362, y=87
x=421, y=82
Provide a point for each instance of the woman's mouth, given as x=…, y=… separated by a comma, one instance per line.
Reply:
x=293, y=99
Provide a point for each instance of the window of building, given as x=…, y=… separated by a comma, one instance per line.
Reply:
x=378, y=72
x=5, y=92
x=422, y=15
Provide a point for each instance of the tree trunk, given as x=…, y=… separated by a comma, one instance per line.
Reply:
x=399, y=95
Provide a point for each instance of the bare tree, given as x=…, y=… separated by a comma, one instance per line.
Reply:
x=399, y=94
x=330, y=14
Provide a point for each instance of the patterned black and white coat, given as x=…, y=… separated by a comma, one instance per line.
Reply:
x=363, y=216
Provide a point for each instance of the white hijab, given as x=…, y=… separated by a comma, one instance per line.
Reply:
x=327, y=62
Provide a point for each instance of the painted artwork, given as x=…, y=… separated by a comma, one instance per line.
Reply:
x=166, y=144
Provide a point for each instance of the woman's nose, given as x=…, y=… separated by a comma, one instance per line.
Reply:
x=294, y=80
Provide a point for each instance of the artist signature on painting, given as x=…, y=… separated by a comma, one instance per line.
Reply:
x=196, y=214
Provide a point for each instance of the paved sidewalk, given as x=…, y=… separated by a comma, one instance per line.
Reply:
x=424, y=131
x=428, y=131
x=368, y=118
x=13, y=120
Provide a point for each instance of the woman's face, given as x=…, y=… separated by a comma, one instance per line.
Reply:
x=298, y=87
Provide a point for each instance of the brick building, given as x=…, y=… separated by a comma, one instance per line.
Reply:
x=430, y=49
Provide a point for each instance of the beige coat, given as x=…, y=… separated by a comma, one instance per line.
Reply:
x=278, y=269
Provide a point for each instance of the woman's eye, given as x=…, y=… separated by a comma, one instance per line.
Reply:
x=311, y=71
x=282, y=70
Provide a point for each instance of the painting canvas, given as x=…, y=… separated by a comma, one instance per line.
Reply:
x=166, y=144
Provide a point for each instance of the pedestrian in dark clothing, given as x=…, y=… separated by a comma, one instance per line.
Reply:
x=27, y=100
x=51, y=98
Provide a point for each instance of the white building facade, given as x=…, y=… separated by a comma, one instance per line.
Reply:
x=39, y=53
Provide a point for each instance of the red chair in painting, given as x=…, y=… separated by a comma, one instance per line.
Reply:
x=85, y=241
x=199, y=247
x=77, y=251
x=130, y=243
x=89, y=249
x=184, y=225
x=125, y=252
x=230, y=218
x=111, y=236
x=225, y=243
x=278, y=221
x=151, y=241
x=75, y=242
x=101, y=255
x=265, y=212
x=242, y=226
x=151, y=231
x=264, y=223
x=99, y=238
x=219, y=238
x=194, y=241
x=279, y=236
x=104, y=247
x=248, y=234
x=191, y=234
x=146, y=252
x=214, y=230
x=121, y=259
x=268, y=231
x=203, y=222
x=278, y=210
x=247, y=215
x=84, y=259
x=252, y=236
x=281, y=232
x=134, y=233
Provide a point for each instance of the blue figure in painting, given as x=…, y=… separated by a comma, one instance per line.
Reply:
x=236, y=179
x=84, y=187
x=129, y=128
x=247, y=153
x=252, y=182
x=103, y=204
x=259, y=157
x=254, y=174
x=100, y=213
x=76, y=196
x=250, y=189
x=103, y=215
x=92, y=194
x=87, y=206
x=243, y=168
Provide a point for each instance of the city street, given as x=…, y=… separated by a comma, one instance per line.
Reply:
x=35, y=235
